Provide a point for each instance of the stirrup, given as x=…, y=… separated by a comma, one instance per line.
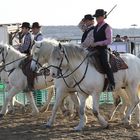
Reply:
x=28, y=89
x=110, y=87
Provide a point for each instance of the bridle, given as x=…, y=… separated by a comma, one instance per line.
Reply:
x=65, y=75
x=36, y=60
x=2, y=53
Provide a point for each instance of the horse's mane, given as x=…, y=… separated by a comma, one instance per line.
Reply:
x=11, y=48
x=48, y=41
x=75, y=51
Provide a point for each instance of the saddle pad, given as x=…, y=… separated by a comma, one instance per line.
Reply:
x=116, y=62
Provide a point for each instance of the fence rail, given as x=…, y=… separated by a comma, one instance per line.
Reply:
x=41, y=96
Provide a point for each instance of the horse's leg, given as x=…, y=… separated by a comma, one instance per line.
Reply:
x=117, y=101
x=83, y=118
x=96, y=112
x=63, y=107
x=12, y=92
x=49, y=97
x=30, y=97
x=59, y=97
x=67, y=104
x=76, y=102
x=125, y=103
x=132, y=91
x=11, y=105
x=70, y=106
x=138, y=115
x=116, y=104
x=138, y=110
x=14, y=102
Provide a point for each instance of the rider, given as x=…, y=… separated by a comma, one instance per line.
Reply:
x=36, y=31
x=26, y=42
x=25, y=47
x=87, y=26
x=103, y=37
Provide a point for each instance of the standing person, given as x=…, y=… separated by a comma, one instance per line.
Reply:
x=102, y=38
x=132, y=44
x=26, y=41
x=87, y=26
x=36, y=31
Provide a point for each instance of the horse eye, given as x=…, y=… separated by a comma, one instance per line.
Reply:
x=58, y=58
x=35, y=53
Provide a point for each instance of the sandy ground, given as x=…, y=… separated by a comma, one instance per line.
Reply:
x=23, y=126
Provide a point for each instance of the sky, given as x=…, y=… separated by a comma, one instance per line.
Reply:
x=69, y=12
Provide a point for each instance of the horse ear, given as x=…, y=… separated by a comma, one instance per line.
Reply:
x=60, y=46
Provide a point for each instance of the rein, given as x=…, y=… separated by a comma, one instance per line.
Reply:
x=63, y=76
x=12, y=62
x=2, y=67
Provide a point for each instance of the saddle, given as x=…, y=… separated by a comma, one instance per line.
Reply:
x=25, y=66
x=115, y=61
x=31, y=75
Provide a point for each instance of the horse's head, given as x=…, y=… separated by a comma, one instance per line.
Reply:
x=3, y=52
x=58, y=60
x=41, y=51
x=35, y=54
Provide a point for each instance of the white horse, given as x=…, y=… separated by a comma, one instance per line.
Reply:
x=126, y=101
x=14, y=101
x=41, y=53
x=91, y=82
x=17, y=80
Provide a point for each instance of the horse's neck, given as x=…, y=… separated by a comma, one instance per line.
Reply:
x=12, y=57
x=81, y=67
x=47, y=52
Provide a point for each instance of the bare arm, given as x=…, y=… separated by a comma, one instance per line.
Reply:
x=82, y=26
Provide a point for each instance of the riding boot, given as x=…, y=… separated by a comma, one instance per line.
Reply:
x=30, y=81
x=111, y=85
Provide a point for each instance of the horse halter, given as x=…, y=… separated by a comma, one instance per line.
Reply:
x=2, y=53
x=2, y=67
x=59, y=68
x=36, y=60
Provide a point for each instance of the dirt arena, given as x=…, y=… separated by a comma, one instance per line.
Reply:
x=22, y=126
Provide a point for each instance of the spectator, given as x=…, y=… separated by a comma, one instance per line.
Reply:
x=118, y=38
x=132, y=44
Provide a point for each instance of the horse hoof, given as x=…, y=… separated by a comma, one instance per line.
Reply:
x=47, y=126
x=1, y=115
x=77, y=128
x=138, y=125
x=107, y=127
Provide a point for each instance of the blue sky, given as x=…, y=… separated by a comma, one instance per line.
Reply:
x=69, y=12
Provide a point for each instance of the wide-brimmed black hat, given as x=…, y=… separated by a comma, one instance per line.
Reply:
x=88, y=17
x=100, y=12
x=26, y=25
x=36, y=25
